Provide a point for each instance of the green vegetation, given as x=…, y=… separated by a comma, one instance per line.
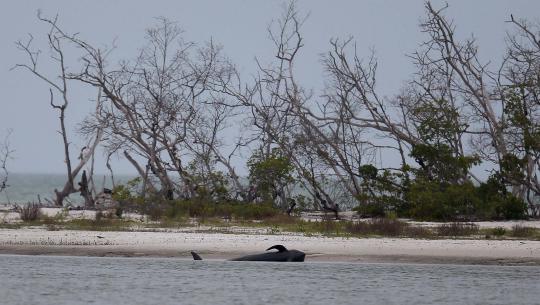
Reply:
x=265, y=219
x=437, y=190
x=269, y=176
x=498, y=231
x=181, y=209
x=430, y=200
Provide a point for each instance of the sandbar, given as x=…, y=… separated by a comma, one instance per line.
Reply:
x=39, y=241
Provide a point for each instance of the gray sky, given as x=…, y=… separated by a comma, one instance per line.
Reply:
x=391, y=27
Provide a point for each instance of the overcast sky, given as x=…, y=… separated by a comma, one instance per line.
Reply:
x=390, y=27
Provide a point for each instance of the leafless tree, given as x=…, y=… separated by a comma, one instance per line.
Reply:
x=150, y=103
x=277, y=106
x=59, y=86
x=212, y=154
x=5, y=154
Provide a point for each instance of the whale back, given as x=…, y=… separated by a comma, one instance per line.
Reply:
x=282, y=255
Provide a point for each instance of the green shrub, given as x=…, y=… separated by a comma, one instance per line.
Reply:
x=498, y=231
x=127, y=192
x=440, y=164
x=228, y=210
x=511, y=208
x=430, y=200
x=254, y=211
x=370, y=210
x=498, y=204
x=270, y=173
x=381, y=192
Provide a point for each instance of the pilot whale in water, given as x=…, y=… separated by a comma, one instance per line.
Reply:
x=282, y=255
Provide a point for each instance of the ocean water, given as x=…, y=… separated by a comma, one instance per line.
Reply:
x=91, y=280
x=24, y=188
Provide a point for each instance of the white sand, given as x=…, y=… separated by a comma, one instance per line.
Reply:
x=222, y=246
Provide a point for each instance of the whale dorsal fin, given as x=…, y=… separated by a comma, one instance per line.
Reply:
x=196, y=256
x=280, y=248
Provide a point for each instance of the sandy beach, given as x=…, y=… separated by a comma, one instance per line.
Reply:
x=225, y=243
x=37, y=241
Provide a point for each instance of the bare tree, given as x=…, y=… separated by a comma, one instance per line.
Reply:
x=277, y=106
x=208, y=143
x=59, y=86
x=5, y=155
x=151, y=102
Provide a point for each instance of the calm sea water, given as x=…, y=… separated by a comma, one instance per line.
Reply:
x=25, y=188
x=84, y=280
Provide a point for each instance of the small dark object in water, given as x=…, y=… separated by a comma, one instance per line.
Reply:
x=283, y=255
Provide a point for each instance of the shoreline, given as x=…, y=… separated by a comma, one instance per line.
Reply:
x=221, y=246
x=310, y=258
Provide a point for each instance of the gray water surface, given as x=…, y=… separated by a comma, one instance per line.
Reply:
x=24, y=188
x=85, y=280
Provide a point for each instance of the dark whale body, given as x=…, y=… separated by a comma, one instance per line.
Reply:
x=283, y=255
